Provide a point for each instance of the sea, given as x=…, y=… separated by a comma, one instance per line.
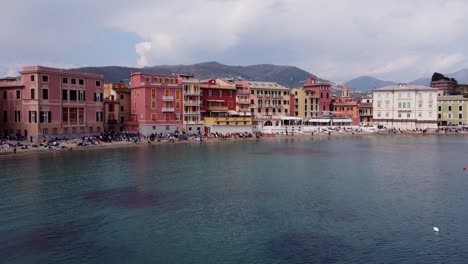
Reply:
x=340, y=199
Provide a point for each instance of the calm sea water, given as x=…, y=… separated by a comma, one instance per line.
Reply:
x=294, y=200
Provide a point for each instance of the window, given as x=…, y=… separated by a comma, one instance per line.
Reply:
x=153, y=117
x=408, y=115
x=379, y=104
x=399, y=114
x=18, y=116
x=210, y=93
x=220, y=93
x=80, y=81
x=460, y=116
x=31, y=78
x=321, y=95
x=97, y=97
x=177, y=116
x=73, y=95
x=409, y=104
x=153, y=93
x=252, y=92
x=153, y=105
x=32, y=117
x=440, y=108
x=81, y=95
x=419, y=114
x=5, y=116
x=399, y=104
x=230, y=93
x=65, y=95
x=378, y=114
x=177, y=94
x=65, y=115
x=65, y=80
x=168, y=116
x=420, y=104
x=420, y=95
x=439, y=116
x=460, y=108
x=45, y=94
x=177, y=105
x=5, y=95
x=430, y=103
x=121, y=97
x=45, y=117
x=121, y=108
x=45, y=78
x=18, y=94
x=45, y=131
x=73, y=81
x=450, y=108
x=32, y=94
x=450, y=115
x=99, y=117
x=387, y=114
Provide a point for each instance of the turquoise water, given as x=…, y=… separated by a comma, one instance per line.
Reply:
x=293, y=200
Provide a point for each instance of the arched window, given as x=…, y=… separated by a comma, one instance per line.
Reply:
x=268, y=123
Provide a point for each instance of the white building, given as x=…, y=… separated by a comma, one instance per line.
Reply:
x=405, y=107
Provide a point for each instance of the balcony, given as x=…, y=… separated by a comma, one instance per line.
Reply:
x=247, y=102
x=168, y=98
x=195, y=113
x=242, y=92
x=192, y=103
x=167, y=110
x=216, y=108
x=191, y=93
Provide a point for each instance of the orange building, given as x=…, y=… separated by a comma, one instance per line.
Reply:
x=346, y=107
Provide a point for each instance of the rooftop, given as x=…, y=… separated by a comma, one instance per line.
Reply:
x=405, y=87
x=265, y=85
x=42, y=69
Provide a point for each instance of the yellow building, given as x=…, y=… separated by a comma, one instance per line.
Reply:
x=116, y=105
x=305, y=103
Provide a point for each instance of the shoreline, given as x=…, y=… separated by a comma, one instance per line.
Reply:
x=72, y=146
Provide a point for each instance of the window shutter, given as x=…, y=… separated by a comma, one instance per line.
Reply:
x=29, y=116
x=95, y=97
x=84, y=95
x=41, y=117
x=50, y=117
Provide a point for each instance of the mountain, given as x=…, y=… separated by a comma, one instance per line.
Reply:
x=288, y=76
x=461, y=76
x=367, y=83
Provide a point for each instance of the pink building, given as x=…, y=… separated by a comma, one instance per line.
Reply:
x=321, y=89
x=156, y=103
x=45, y=103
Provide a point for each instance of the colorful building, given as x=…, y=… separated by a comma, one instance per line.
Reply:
x=346, y=107
x=219, y=108
x=445, y=86
x=116, y=105
x=452, y=110
x=405, y=107
x=365, y=111
x=306, y=103
x=322, y=90
x=268, y=99
x=243, y=101
x=156, y=103
x=45, y=103
x=192, y=102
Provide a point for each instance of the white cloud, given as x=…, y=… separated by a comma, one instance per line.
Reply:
x=338, y=40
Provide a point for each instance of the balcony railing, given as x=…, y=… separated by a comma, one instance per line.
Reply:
x=192, y=93
x=194, y=113
x=168, y=98
x=242, y=92
x=192, y=103
x=244, y=101
x=216, y=108
x=168, y=110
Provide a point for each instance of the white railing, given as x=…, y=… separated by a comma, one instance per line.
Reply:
x=168, y=98
x=168, y=109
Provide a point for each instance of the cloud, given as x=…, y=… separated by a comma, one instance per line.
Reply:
x=338, y=40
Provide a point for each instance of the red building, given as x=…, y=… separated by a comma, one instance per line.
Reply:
x=156, y=103
x=218, y=98
x=322, y=90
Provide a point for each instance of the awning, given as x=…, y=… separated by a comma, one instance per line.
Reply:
x=342, y=120
x=231, y=112
x=320, y=120
x=290, y=118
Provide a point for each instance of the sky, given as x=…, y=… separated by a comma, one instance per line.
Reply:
x=397, y=40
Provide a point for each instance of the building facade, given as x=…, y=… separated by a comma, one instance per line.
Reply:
x=452, y=110
x=322, y=90
x=305, y=102
x=445, y=86
x=116, y=106
x=365, y=109
x=268, y=99
x=405, y=107
x=192, y=103
x=45, y=103
x=156, y=103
